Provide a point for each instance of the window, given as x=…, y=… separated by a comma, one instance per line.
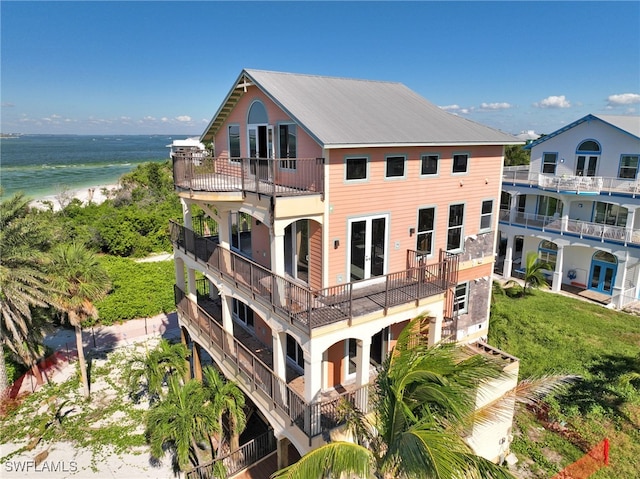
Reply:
x=426, y=221
x=356, y=168
x=243, y=313
x=548, y=253
x=549, y=161
x=294, y=352
x=486, y=215
x=587, y=153
x=610, y=214
x=288, y=145
x=549, y=206
x=454, y=231
x=460, y=163
x=429, y=165
x=461, y=301
x=240, y=234
x=628, y=167
x=395, y=166
x=234, y=142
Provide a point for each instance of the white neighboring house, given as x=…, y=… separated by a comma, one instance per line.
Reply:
x=189, y=147
x=575, y=205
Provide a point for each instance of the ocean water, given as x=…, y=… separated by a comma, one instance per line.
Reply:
x=45, y=165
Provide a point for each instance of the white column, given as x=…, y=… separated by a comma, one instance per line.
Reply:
x=279, y=342
x=565, y=216
x=435, y=327
x=226, y=303
x=224, y=229
x=191, y=279
x=557, y=274
x=179, y=272
x=508, y=257
x=363, y=353
x=621, y=279
x=277, y=248
x=312, y=375
x=631, y=219
x=513, y=208
x=186, y=214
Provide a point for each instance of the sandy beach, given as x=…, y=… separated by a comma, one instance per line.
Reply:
x=93, y=194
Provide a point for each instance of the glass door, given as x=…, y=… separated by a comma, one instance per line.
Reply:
x=602, y=277
x=367, y=247
x=586, y=166
x=296, y=250
x=260, y=150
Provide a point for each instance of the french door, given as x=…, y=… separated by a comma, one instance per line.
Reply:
x=260, y=149
x=296, y=250
x=586, y=165
x=602, y=277
x=367, y=247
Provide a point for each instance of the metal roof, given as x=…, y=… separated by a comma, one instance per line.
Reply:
x=344, y=112
x=627, y=124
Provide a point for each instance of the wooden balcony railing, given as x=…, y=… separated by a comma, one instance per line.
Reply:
x=235, y=461
x=266, y=176
x=305, y=308
x=312, y=418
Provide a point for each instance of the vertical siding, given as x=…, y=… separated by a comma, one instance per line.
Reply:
x=315, y=255
x=401, y=198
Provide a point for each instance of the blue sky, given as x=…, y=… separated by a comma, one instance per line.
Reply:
x=165, y=67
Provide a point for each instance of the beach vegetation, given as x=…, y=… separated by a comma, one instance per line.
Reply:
x=24, y=285
x=424, y=400
x=551, y=332
x=78, y=280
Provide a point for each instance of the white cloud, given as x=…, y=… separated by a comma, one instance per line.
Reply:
x=183, y=118
x=623, y=99
x=554, y=102
x=495, y=106
x=7, y=105
x=456, y=109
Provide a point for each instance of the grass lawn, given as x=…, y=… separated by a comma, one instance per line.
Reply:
x=553, y=334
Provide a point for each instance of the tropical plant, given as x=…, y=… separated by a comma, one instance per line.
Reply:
x=79, y=281
x=228, y=400
x=181, y=423
x=424, y=399
x=24, y=284
x=149, y=373
x=534, y=276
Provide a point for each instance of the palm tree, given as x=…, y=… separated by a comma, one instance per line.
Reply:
x=228, y=400
x=80, y=280
x=148, y=373
x=533, y=273
x=24, y=284
x=424, y=399
x=181, y=422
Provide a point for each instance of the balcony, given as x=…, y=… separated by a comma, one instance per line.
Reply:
x=255, y=375
x=582, y=229
x=308, y=309
x=262, y=176
x=566, y=184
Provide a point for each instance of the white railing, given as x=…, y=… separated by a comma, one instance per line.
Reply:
x=569, y=183
x=584, y=229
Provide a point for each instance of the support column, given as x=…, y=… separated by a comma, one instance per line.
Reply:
x=191, y=279
x=557, y=274
x=196, y=355
x=631, y=219
x=435, y=328
x=224, y=229
x=188, y=224
x=312, y=375
x=277, y=250
x=279, y=354
x=363, y=355
x=565, y=216
x=226, y=305
x=513, y=208
x=621, y=279
x=508, y=258
x=282, y=451
x=179, y=273
x=184, y=339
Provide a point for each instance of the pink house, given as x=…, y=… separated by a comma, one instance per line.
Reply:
x=327, y=214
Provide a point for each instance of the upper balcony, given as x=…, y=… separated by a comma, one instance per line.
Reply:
x=231, y=177
x=578, y=228
x=308, y=309
x=566, y=184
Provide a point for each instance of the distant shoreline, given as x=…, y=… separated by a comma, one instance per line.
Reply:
x=93, y=194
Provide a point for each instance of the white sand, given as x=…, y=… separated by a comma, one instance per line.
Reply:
x=94, y=194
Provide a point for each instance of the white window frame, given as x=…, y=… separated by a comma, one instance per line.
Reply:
x=386, y=167
x=237, y=304
x=453, y=164
x=461, y=301
x=485, y=215
x=422, y=159
x=460, y=226
x=287, y=162
x=420, y=232
x=366, y=170
x=299, y=354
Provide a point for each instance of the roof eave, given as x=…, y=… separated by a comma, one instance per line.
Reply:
x=335, y=146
